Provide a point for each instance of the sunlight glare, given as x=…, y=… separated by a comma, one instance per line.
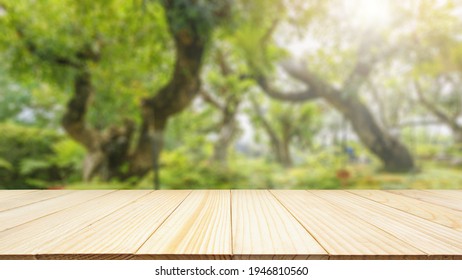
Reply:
x=373, y=12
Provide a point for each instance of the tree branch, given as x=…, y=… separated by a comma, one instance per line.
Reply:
x=74, y=118
x=211, y=100
x=50, y=57
x=366, y=61
x=296, y=96
x=269, y=32
x=81, y=56
x=380, y=104
x=221, y=61
x=442, y=116
x=261, y=116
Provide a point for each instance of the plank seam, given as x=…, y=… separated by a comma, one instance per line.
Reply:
x=37, y=255
x=424, y=200
x=35, y=201
x=394, y=208
x=381, y=229
x=17, y=194
x=231, y=221
x=298, y=221
x=160, y=225
x=118, y=209
x=62, y=209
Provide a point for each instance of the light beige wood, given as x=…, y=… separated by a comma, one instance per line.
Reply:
x=29, y=197
x=200, y=226
x=432, y=212
x=23, y=214
x=433, y=239
x=4, y=194
x=122, y=232
x=435, y=198
x=451, y=194
x=342, y=234
x=225, y=224
x=29, y=238
x=263, y=228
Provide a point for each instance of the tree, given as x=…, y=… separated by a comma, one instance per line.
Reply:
x=443, y=99
x=92, y=38
x=366, y=49
x=437, y=63
x=224, y=90
x=286, y=125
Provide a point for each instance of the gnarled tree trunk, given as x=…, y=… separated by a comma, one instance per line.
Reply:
x=190, y=24
x=106, y=151
x=279, y=144
x=226, y=135
x=394, y=155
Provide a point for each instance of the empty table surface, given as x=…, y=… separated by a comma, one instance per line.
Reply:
x=230, y=224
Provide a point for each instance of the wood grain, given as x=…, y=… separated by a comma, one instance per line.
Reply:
x=200, y=226
x=4, y=194
x=263, y=228
x=26, y=198
x=29, y=238
x=23, y=214
x=448, y=201
x=343, y=235
x=224, y=224
x=433, y=239
x=432, y=212
x=451, y=194
x=121, y=233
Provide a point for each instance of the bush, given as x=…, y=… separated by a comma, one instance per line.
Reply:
x=182, y=172
x=32, y=157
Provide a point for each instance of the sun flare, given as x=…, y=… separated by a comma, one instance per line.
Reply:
x=373, y=12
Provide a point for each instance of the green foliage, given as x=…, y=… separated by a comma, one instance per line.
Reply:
x=32, y=157
x=4, y=164
x=38, y=36
x=188, y=131
x=19, y=144
x=42, y=43
x=182, y=172
x=204, y=14
x=68, y=154
x=13, y=97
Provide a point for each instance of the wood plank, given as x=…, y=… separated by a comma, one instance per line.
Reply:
x=435, y=240
x=263, y=228
x=439, y=199
x=4, y=194
x=29, y=198
x=199, y=228
x=429, y=211
x=29, y=238
x=119, y=234
x=343, y=235
x=451, y=194
x=23, y=214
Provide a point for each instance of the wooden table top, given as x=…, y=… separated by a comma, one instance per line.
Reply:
x=230, y=224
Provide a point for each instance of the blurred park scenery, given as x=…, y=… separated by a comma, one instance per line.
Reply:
x=178, y=94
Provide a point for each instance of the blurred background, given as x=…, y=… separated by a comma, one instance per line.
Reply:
x=172, y=94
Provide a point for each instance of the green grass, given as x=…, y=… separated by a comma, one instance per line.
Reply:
x=259, y=175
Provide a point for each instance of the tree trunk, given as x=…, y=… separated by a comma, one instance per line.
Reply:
x=190, y=35
x=395, y=156
x=228, y=127
x=457, y=132
x=225, y=138
x=107, y=150
x=190, y=24
x=282, y=152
